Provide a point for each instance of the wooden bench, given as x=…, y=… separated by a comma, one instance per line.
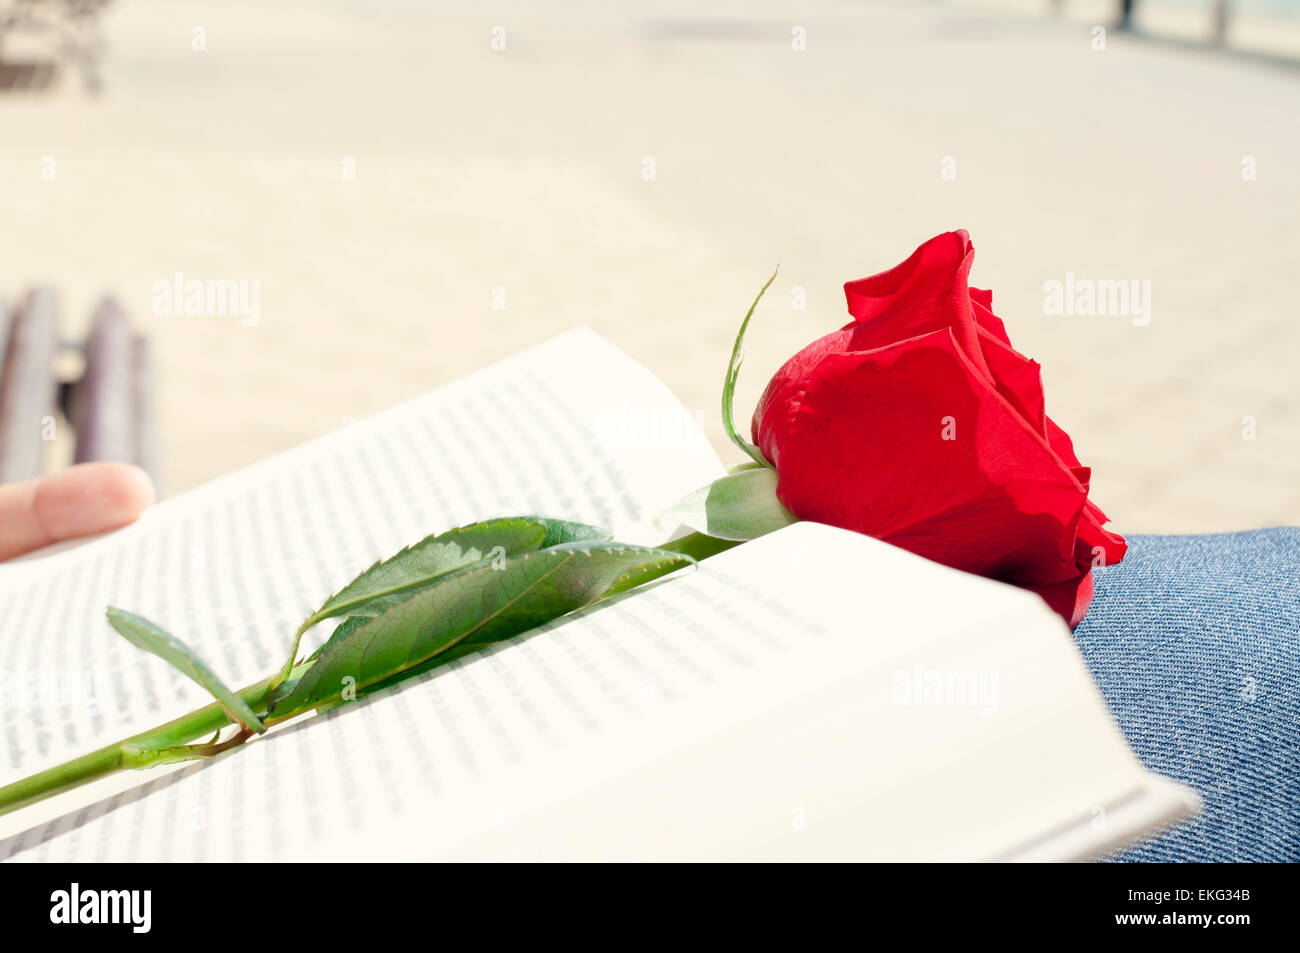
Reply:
x=111, y=406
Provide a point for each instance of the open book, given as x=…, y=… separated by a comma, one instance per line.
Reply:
x=811, y=694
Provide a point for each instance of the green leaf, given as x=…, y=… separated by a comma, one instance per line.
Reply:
x=648, y=572
x=564, y=531
x=439, y=660
x=339, y=633
x=471, y=606
x=392, y=581
x=143, y=633
x=739, y=506
x=699, y=545
x=729, y=383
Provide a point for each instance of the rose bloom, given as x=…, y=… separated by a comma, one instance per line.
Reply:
x=918, y=423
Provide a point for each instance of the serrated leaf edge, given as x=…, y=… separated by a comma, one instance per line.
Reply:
x=582, y=547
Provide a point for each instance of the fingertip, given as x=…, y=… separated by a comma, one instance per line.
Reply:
x=130, y=488
x=91, y=498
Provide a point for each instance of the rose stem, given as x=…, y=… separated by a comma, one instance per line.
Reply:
x=155, y=746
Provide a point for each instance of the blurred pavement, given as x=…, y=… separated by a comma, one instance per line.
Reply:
x=524, y=169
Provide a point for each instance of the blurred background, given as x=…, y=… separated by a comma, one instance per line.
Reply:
x=417, y=189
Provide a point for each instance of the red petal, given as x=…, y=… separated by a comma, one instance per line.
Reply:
x=923, y=294
x=1069, y=599
x=864, y=449
x=985, y=318
x=1060, y=442
x=1018, y=379
x=1096, y=546
x=783, y=391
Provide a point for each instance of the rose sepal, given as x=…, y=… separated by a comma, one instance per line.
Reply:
x=740, y=506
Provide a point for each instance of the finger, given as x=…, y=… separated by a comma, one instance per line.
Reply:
x=79, y=501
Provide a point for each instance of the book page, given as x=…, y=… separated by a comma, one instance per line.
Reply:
x=572, y=428
x=811, y=694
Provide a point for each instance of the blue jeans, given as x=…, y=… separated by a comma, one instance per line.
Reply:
x=1195, y=643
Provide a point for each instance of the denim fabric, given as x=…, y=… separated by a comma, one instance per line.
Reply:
x=1195, y=643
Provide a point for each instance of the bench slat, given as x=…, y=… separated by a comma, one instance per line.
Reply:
x=145, y=408
x=28, y=387
x=103, y=401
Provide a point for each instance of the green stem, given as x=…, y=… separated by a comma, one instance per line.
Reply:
x=160, y=745
x=283, y=674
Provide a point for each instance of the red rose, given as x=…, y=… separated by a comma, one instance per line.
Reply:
x=918, y=423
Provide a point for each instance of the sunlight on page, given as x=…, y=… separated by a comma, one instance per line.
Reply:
x=233, y=567
x=773, y=703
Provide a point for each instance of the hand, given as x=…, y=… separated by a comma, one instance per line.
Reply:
x=79, y=501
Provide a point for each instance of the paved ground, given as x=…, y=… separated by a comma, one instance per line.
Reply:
x=523, y=169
